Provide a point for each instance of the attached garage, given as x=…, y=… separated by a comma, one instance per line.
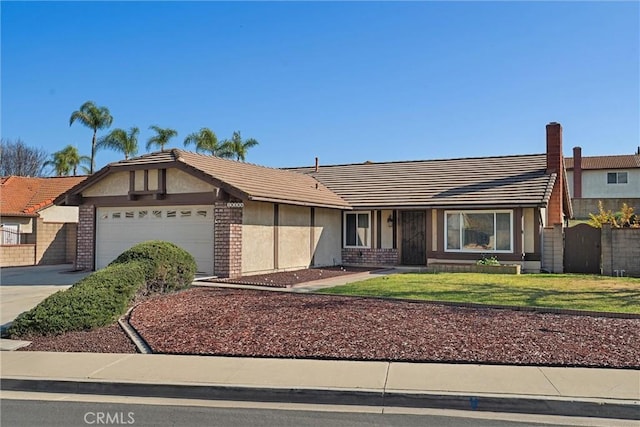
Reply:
x=190, y=227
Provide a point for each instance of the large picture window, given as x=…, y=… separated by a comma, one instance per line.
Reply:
x=479, y=231
x=357, y=230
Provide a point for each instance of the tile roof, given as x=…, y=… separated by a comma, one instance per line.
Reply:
x=245, y=180
x=629, y=161
x=473, y=182
x=25, y=196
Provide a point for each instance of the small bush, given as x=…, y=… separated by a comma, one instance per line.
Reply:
x=97, y=300
x=102, y=297
x=488, y=261
x=168, y=267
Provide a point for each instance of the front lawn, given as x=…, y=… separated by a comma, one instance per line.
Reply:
x=568, y=291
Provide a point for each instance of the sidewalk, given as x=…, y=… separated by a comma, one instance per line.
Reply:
x=603, y=393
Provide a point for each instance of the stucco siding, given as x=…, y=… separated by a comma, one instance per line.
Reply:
x=116, y=184
x=594, y=184
x=529, y=230
x=327, y=236
x=257, y=237
x=294, y=237
x=181, y=182
x=59, y=214
x=386, y=241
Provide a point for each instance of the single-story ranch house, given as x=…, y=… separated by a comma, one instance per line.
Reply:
x=240, y=219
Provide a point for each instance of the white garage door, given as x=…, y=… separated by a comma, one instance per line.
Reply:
x=190, y=227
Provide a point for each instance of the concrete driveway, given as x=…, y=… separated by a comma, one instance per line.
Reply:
x=22, y=288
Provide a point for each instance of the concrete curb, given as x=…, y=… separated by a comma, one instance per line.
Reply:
x=602, y=408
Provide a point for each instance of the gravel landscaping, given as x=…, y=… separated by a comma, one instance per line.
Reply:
x=286, y=279
x=215, y=321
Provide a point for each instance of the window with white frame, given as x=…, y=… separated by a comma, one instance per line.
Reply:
x=357, y=230
x=478, y=231
x=617, y=178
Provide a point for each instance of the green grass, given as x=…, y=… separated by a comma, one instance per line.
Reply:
x=568, y=291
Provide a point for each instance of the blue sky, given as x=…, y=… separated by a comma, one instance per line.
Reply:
x=347, y=82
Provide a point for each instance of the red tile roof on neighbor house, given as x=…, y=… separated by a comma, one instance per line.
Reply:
x=25, y=196
x=630, y=161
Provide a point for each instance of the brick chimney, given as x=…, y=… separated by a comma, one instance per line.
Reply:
x=577, y=172
x=555, y=164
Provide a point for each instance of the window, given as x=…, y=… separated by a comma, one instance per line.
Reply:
x=357, y=229
x=10, y=234
x=479, y=231
x=616, y=178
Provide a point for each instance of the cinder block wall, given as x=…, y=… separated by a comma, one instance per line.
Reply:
x=553, y=249
x=51, y=243
x=17, y=255
x=583, y=207
x=620, y=251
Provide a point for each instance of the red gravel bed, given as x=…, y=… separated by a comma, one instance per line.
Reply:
x=109, y=339
x=274, y=324
x=289, y=278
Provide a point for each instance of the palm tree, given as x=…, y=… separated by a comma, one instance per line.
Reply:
x=162, y=137
x=205, y=141
x=93, y=117
x=67, y=160
x=237, y=148
x=120, y=140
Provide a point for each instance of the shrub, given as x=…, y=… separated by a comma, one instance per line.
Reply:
x=488, y=261
x=102, y=297
x=97, y=300
x=168, y=267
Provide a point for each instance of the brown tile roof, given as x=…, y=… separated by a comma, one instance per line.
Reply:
x=25, y=196
x=629, y=161
x=244, y=180
x=473, y=182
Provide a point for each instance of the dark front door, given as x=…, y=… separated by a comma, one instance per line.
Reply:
x=582, y=249
x=414, y=237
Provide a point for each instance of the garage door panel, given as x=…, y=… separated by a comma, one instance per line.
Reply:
x=190, y=227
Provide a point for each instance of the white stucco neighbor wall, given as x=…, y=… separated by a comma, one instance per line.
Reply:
x=294, y=237
x=594, y=184
x=116, y=184
x=327, y=237
x=257, y=238
x=59, y=214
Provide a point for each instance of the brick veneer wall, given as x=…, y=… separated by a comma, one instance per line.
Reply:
x=366, y=256
x=86, y=234
x=227, y=259
x=17, y=255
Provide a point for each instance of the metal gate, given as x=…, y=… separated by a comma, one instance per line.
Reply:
x=414, y=243
x=582, y=249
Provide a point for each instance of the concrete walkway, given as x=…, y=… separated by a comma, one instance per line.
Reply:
x=603, y=393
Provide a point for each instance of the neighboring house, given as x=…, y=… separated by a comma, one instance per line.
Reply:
x=612, y=179
x=239, y=219
x=34, y=230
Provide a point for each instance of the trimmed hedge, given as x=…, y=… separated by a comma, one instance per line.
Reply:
x=102, y=297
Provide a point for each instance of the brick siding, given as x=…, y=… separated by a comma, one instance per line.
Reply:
x=86, y=232
x=367, y=256
x=227, y=240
